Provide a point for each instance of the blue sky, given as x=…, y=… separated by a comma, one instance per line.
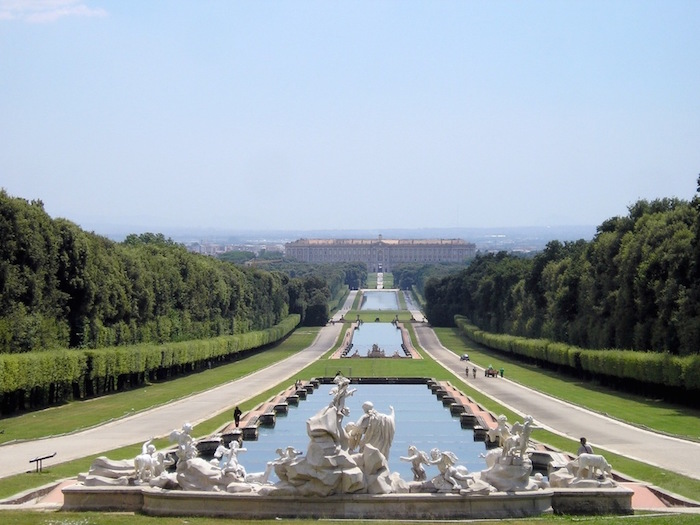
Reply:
x=348, y=115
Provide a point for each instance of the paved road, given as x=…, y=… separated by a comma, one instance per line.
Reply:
x=602, y=432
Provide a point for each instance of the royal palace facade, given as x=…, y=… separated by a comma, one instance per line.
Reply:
x=380, y=255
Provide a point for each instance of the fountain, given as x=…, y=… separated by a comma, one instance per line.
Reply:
x=344, y=473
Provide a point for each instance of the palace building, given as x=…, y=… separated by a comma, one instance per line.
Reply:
x=380, y=255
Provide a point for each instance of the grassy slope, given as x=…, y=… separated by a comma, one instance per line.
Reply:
x=648, y=413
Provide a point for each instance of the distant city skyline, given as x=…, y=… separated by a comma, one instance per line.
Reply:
x=343, y=116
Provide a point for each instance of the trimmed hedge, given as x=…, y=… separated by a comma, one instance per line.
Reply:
x=661, y=369
x=46, y=378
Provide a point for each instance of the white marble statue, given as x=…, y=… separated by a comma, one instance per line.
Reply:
x=186, y=446
x=501, y=433
x=346, y=460
x=510, y=469
x=232, y=464
x=593, y=465
x=518, y=438
x=340, y=393
x=417, y=458
x=279, y=465
x=220, y=455
x=524, y=438
x=373, y=428
x=452, y=476
x=585, y=471
x=341, y=460
x=150, y=463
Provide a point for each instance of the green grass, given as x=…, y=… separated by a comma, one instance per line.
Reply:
x=388, y=280
x=78, y=415
x=385, y=316
x=402, y=300
x=647, y=413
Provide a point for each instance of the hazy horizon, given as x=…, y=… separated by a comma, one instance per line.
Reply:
x=308, y=116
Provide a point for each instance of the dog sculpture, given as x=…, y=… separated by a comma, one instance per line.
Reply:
x=591, y=463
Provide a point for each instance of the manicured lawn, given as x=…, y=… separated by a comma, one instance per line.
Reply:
x=388, y=280
x=648, y=413
x=85, y=414
x=384, y=316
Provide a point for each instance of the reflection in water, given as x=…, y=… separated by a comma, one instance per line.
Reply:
x=385, y=335
x=385, y=300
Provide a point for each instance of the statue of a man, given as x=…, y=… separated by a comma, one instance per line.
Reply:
x=373, y=429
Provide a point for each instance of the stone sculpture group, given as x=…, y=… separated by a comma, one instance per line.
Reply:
x=347, y=459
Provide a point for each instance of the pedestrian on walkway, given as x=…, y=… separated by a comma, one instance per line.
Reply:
x=585, y=448
x=237, y=416
x=474, y=372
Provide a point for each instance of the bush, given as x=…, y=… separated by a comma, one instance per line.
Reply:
x=653, y=368
x=54, y=376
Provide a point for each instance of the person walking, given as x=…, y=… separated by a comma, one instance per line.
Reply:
x=237, y=416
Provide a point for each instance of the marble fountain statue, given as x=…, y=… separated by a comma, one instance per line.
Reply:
x=343, y=473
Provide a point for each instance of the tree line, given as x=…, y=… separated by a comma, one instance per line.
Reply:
x=81, y=315
x=62, y=287
x=635, y=286
x=32, y=380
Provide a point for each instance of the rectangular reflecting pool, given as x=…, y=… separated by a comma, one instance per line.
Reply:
x=379, y=300
x=421, y=420
x=385, y=335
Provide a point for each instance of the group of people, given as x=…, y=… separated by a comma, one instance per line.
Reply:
x=489, y=372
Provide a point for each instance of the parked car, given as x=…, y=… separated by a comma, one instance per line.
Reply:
x=465, y=357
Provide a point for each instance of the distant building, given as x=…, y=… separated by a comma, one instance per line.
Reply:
x=380, y=255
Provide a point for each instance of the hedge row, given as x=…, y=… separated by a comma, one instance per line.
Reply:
x=60, y=375
x=646, y=367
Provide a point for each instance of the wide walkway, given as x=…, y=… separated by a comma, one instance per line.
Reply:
x=602, y=432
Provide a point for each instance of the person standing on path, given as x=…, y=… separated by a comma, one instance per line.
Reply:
x=237, y=416
x=585, y=448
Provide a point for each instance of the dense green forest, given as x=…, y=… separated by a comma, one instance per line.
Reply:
x=414, y=275
x=81, y=315
x=635, y=286
x=62, y=287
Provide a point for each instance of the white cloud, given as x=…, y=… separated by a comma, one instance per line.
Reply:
x=46, y=11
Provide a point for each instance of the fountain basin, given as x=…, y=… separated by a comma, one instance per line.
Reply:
x=157, y=502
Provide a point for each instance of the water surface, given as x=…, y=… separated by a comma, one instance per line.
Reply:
x=421, y=420
x=384, y=335
x=379, y=300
